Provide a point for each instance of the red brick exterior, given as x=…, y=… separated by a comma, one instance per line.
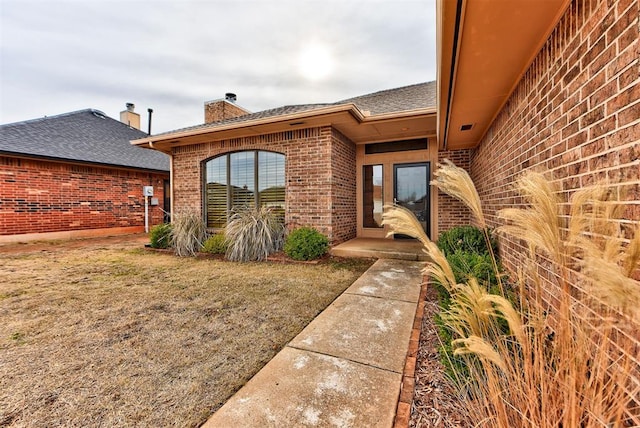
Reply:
x=452, y=212
x=42, y=196
x=319, y=173
x=575, y=113
x=215, y=111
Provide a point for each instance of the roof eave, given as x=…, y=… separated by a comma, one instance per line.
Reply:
x=342, y=113
x=154, y=140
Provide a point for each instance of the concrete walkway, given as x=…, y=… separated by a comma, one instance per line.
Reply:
x=345, y=368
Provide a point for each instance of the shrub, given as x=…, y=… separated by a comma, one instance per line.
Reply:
x=253, y=234
x=160, y=236
x=467, y=264
x=465, y=238
x=189, y=232
x=215, y=244
x=306, y=243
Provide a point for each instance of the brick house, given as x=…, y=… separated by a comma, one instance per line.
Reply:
x=76, y=174
x=330, y=166
x=539, y=84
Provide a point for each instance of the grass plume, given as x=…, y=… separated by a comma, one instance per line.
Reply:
x=188, y=233
x=253, y=233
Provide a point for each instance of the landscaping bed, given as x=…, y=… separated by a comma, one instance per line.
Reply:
x=104, y=333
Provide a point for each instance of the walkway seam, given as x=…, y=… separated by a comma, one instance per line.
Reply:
x=346, y=359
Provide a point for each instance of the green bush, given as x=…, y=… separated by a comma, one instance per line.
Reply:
x=160, y=235
x=215, y=244
x=306, y=243
x=253, y=234
x=465, y=238
x=478, y=265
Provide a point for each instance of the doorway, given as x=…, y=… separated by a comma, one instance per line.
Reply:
x=411, y=190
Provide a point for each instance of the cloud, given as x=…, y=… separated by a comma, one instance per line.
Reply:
x=57, y=56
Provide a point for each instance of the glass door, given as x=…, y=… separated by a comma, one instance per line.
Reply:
x=411, y=190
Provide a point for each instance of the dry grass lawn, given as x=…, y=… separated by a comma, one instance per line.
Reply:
x=108, y=334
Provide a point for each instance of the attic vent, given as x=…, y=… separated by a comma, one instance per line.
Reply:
x=98, y=113
x=466, y=127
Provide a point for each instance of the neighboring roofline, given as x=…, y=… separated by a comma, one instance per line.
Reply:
x=350, y=108
x=56, y=116
x=19, y=155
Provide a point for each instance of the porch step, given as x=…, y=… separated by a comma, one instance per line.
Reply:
x=381, y=249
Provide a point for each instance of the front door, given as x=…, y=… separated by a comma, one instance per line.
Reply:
x=411, y=190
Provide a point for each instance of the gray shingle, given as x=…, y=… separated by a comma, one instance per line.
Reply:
x=85, y=136
x=420, y=95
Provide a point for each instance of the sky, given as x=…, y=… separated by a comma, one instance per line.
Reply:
x=58, y=56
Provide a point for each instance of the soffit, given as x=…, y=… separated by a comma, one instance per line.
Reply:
x=496, y=42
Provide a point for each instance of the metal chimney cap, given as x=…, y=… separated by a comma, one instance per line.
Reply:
x=130, y=106
x=231, y=97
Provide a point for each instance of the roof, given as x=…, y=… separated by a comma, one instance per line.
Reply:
x=81, y=136
x=406, y=98
x=418, y=96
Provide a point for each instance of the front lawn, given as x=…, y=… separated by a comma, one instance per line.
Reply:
x=113, y=335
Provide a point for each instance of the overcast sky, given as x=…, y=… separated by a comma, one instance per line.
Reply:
x=172, y=56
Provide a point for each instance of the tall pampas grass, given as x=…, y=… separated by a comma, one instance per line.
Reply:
x=253, y=233
x=456, y=182
x=568, y=357
x=188, y=233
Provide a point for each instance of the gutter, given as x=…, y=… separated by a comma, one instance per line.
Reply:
x=351, y=108
x=454, y=57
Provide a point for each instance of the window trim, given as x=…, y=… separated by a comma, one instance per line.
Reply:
x=256, y=180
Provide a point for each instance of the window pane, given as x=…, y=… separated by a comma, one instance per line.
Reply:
x=372, y=196
x=242, y=167
x=216, y=192
x=271, y=181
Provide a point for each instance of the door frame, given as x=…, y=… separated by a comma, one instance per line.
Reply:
x=426, y=164
x=387, y=160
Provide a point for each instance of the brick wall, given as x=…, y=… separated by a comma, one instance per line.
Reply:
x=452, y=212
x=343, y=184
x=42, y=196
x=318, y=167
x=575, y=113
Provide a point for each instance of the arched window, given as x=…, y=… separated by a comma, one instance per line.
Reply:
x=242, y=179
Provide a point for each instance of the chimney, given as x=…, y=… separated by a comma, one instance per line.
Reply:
x=129, y=117
x=221, y=109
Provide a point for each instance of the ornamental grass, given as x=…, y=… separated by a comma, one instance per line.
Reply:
x=564, y=353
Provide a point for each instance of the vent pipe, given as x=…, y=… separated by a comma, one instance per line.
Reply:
x=150, y=110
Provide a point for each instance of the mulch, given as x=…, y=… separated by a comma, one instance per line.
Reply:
x=435, y=401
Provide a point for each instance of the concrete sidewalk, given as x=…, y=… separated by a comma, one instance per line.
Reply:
x=345, y=368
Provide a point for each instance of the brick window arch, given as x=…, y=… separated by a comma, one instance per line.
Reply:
x=243, y=179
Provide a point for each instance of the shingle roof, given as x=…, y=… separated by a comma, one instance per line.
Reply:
x=420, y=95
x=84, y=136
